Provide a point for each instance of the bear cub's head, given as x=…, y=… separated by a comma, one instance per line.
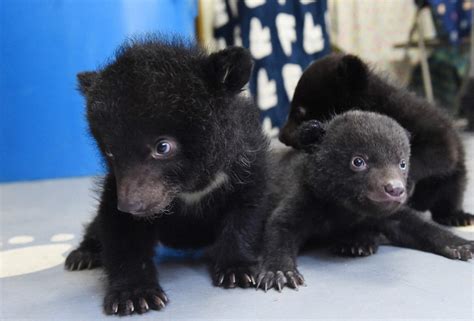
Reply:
x=358, y=159
x=169, y=120
x=332, y=83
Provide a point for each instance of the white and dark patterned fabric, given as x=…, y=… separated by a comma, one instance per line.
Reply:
x=454, y=17
x=283, y=36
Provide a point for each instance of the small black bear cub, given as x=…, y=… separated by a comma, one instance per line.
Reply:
x=338, y=83
x=349, y=183
x=186, y=161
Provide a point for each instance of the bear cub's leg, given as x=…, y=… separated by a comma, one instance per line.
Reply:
x=235, y=253
x=286, y=231
x=443, y=196
x=88, y=254
x=408, y=229
x=128, y=252
x=448, y=209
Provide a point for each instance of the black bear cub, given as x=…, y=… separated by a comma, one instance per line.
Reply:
x=186, y=162
x=346, y=189
x=338, y=83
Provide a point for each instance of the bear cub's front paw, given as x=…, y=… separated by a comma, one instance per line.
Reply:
x=278, y=279
x=139, y=300
x=458, y=218
x=232, y=277
x=463, y=252
x=355, y=250
x=362, y=244
x=81, y=259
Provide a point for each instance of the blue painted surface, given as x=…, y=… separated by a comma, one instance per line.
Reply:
x=43, y=45
x=165, y=254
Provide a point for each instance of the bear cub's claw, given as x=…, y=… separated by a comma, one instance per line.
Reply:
x=358, y=245
x=232, y=277
x=268, y=279
x=80, y=259
x=126, y=302
x=355, y=250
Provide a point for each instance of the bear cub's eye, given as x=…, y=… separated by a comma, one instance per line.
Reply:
x=108, y=153
x=163, y=149
x=358, y=164
x=403, y=164
x=300, y=112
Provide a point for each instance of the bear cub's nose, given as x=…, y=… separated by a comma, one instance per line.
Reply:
x=394, y=189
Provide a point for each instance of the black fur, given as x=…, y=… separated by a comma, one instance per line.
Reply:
x=171, y=92
x=320, y=195
x=338, y=83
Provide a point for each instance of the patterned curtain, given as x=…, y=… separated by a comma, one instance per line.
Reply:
x=454, y=17
x=283, y=36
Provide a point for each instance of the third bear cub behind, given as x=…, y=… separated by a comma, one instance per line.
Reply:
x=348, y=187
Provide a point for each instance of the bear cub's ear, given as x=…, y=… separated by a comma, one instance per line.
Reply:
x=309, y=134
x=230, y=68
x=354, y=72
x=408, y=135
x=86, y=79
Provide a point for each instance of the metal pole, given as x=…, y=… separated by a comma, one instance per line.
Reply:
x=425, y=70
x=471, y=63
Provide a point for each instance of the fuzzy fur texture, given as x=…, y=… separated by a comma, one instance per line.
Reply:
x=338, y=83
x=467, y=103
x=208, y=190
x=319, y=195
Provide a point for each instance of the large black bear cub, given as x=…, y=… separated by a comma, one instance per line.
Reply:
x=338, y=83
x=346, y=189
x=186, y=161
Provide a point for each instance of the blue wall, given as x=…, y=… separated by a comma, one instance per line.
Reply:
x=43, y=45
